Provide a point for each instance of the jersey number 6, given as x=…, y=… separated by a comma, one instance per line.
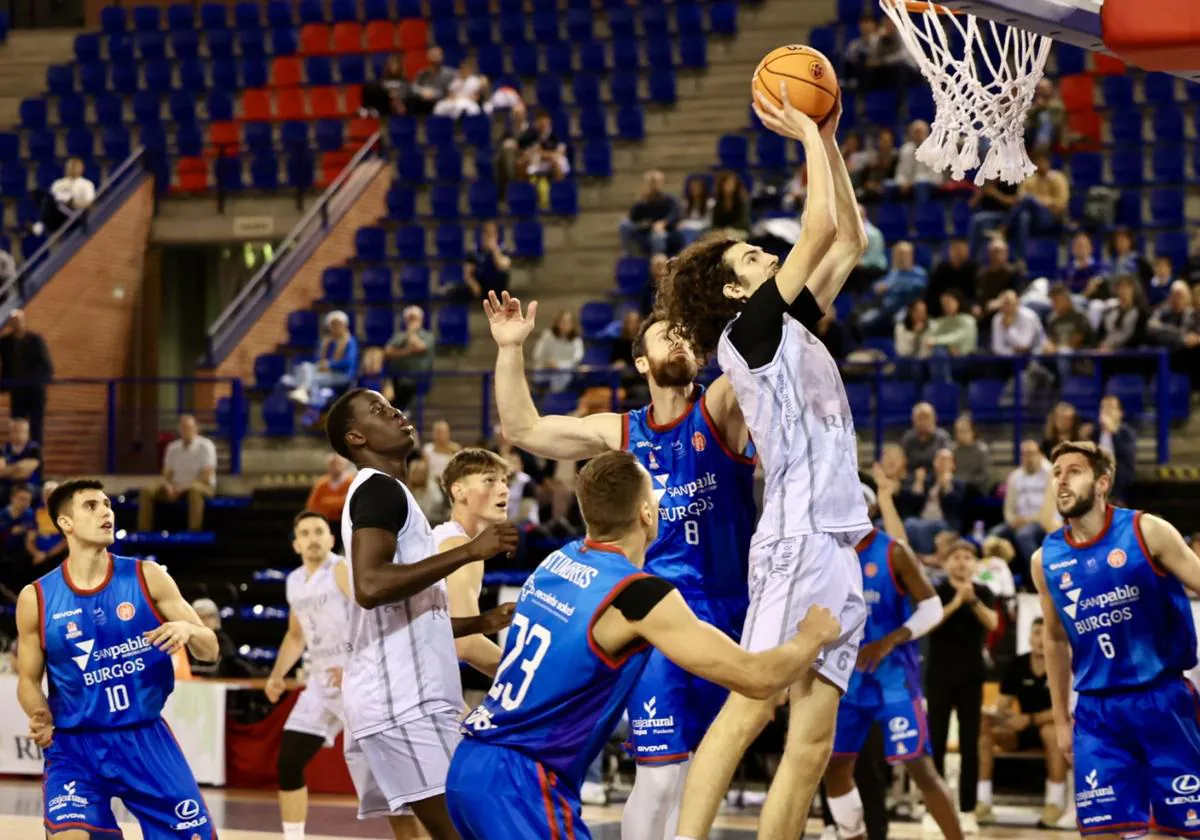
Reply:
x=527, y=634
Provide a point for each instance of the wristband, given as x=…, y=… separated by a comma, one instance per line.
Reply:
x=925, y=617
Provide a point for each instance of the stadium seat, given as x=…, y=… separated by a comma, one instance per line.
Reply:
x=290, y=103
x=623, y=87
x=693, y=52
x=1087, y=169
x=1168, y=165
x=1041, y=258
x=627, y=54
x=268, y=369
x=264, y=171
x=1173, y=245
x=113, y=20
x=330, y=135
x=93, y=77
x=311, y=11
x=527, y=239
x=483, y=200
x=378, y=325
x=944, y=396
x=322, y=104
x=189, y=142
x=1117, y=92
x=631, y=123
x=283, y=41
x=185, y=44
x=225, y=137
x=564, y=198
x=1167, y=208
x=410, y=243
x=193, y=80
x=522, y=199
x=412, y=34
x=597, y=160
x=337, y=286
x=381, y=36
x=1083, y=392
x=347, y=37
x=411, y=165
x=318, y=70
x=60, y=79
x=733, y=152
x=1130, y=388
x=770, y=150
x=401, y=203
x=453, y=326
x=13, y=179
x=1078, y=92
x=415, y=284
x=1126, y=126
x=448, y=242
x=376, y=282
x=370, y=244
x=33, y=113
x=314, y=39
x=892, y=221
x=1167, y=124
x=72, y=110
x=448, y=165
x=299, y=169
x=444, y=203
x=594, y=318
x=930, y=220
x=116, y=143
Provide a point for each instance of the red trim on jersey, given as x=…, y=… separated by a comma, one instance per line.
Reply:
x=568, y=817
x=919, y=750
x=1108, y=518
x=1137, y=529
x=625, y=431
x=599, y=546
x=673, y=758
x=892, y=570
x=66, y=572
x=141, y=576
x=636, y=647
x=1195, y=696
x=671, y=424
x=41, y=601
x=1111, y=827
x=712, y=427
x=53, y=828
x=866, y=541
x=544, y=782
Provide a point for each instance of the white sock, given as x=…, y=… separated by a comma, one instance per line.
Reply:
x=293, y=831
x=655, y=795
x=983, y=791
x=847, y=813
x=1055, y=793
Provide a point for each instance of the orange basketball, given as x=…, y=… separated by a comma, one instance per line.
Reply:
x=812, y=85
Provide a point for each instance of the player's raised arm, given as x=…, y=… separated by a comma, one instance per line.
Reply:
x=181, y=627
x=818, y=225
x=463, y=587
x=31, y=667
x=1058, y=656
x=290, y=651
x=1169, y=550
x=557, y=437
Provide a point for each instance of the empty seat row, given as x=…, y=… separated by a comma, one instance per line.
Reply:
x=483, y=201
x=376, y=284
x=410, y=243
x=251, y=15
x=262, y=171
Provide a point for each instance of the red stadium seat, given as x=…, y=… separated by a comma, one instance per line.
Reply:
x=352, y=97
x=413, y=34
x=314, y=39
x=361, y=130
x=414, y=62
x=323, y=103
x=332, y=164
x=1078, y=92
x=1086, y=126
x=381, y=36
x=347, y=38
x=191, y=174
x=1107, y=65
x=286, y=71
x=291, y=104
x=256, y=105
x=225, y=137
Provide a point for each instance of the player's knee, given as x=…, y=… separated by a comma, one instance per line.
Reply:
x=745, y=717
x=69, y=834
x=296, y=750
x=847, y=812
x=658, y=783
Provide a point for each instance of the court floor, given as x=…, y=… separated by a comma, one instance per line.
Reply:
x=242, y=815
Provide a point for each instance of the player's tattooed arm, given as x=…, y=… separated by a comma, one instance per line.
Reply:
x=182, y=626
x=31, y=667
x=1058, y=656
x=1168, y=549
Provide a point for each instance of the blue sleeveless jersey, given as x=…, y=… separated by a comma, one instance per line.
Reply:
x=706, y=508
x=557, y=696
x=102, y=672
x=1128, y=621
x=898, y=677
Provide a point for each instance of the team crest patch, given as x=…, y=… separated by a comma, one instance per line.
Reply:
x=73, y=631
x=698, y=442
x=125, y=611
x=1116, y=558
x=870, y=570
x=1065, y=582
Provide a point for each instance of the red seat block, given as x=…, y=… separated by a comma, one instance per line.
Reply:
x=381, y=36
x=314, y=39
x=256, y=105
x=191, y=175
x=291, y=104
x=413, y=34
x=347, y=38
x=323, y=103
x=1078, y=92
x=286, y=71
x=225, y=137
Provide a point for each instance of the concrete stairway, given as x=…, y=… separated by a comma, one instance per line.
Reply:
x=23, y=63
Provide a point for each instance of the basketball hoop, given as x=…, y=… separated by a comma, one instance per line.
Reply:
x=983, y=75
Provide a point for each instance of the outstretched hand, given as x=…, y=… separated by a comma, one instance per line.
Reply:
x=510, y=327
x=829, y=126
x=785, y=120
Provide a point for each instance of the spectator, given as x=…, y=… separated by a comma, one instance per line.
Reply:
x=696, y=219
x=314, y=384
x=874, y=262
x=1159, y=285
x=795, y=193
x=956, y=273
x=522, y=494
x=990, y=206
x=893, y=468
x=621, y=357
x=22, y=458
x=1024, y=493
x=1067, y=329
x=1046, y=118
x=955, y=331
x=944, y=497
x=1116, y=437
x=858, y=51
x=888, y=63
x=1084, y=273
x=924, y=439
x=997, y=276
x=994, y=571
x=432, y=84
x=1124, y=325
x=465, y=96
x=901, y=286
x=881, y=169
x=1023, y=720
x=410, y=355
x=658, y=270
x=487, y=268
x=955, y=669
x=17, y=521
x=328, y=494
x=972, y=457
x=45, y=544
x=731, y=211
x=856, y=155
x=189, y=470
x=559, y=348
x=1016, y=329
x=439, y=450
x=25, y=371
x=70, y=194
x=1062, y=424
x=1192, y=267
x=229, y=663
x=910, y=332
x=1125, y=258
x=542, y=154
x=914, y=178
x=652, y=219
x=8, y=267
x=1174, y=323
x=1041, y=205
x=387, y=96
x=427, y=491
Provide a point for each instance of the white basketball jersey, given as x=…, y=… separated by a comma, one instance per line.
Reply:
x=402, y=664
x=799, y=418
x=446, y=531
x=323, y=613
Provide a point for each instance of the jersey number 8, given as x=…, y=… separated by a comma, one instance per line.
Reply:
x=527, y=634
x=691, y=532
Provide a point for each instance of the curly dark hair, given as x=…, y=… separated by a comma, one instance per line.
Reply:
x=691, y=296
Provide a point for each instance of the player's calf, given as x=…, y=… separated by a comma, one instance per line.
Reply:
x=296, y=750
x=936, y=794
x=435, y=817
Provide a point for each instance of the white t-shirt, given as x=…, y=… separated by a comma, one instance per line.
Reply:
x=187, y=462
x=75, y=193
x=1028, y=491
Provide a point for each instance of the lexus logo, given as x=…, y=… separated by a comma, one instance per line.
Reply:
x=1186, y=785
x=898, y=724
x=188, y=809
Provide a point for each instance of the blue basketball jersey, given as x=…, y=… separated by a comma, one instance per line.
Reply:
x=1128, y=621
x=102, y=672
x=888, y=607
x=557, y=695
x=706, y=505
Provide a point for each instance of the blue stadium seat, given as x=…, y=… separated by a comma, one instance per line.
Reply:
x=1172, y=244
x=268, y=369
x=113, y=20
x=303, y=329
x=120, y=49
x=492, y=60
x=219, y=106
x=443, y=201
x=1159, y=88
x=376, y=282
x=279, y=416
x=580, y=25
x=87, y=48
x=564, y=198
x=770, y=150
x=259, y=136
x=1041, y=258
x=445, y=33
x=252, y=43
x=1168, y=165
x=660, y=52
x=158, y=77
x=450, y=276
x=415, y=284
x=439, y=132
x=632, y=273
x=229, y=174
x=944, y=396
x=1117, y=92
x=283, y=41
x=81, y=143
x=594, y=318
x=1167, y=124
x=42, y=145
x=483, y=200
x=48, y=172
x=722, y=17
x=882, y=106
x=627, y=54
x=623, y=87
x=402, y=132
x=733, y=152
x=479, y=32
x=330, y=135
x=477, y=130
x=185, y=44
x=370, y=244
x=116, y=142
x=60, y=79
x=1129, y=209
x=892, y=221
x=448, y=242
x=379, y=325
x=10, y=146
x=264, y=171
x=410, y=243
x=33, y=114
x=983, y=400
x=189, y=142
x=549, y=92
x=401, y=203
x=318, y=70
x=1087, y=168
x=151, y=46
x=72, y=109
x=220, y=44
x=181, y=17
x=225, y=76
x=693, y=52
x=631, y=123
x=247, y=15
x=378, y=10
x=13, y=179
x=896, y=398
x=1130, y=388
x=1071, y=59
x=545, y=25
x=192, y=77
x=31, y=244
x=585, y=88
x=930, y=220
x=344, y=11
x=524, y=57
x=147, y=107
x=1126, y=126
x=512, y=29
x=411, y=165
x=453, y=326
x=337, y=286
x=522, y=199
x=448, y=165
x=597, y=159
x=654, y=20
x=352, y=70
x=1083, y=392
x=1166, y=208
x=299, y=169
x=214, y=17
x=662, y=87
x=527, y=239
x=689, y=22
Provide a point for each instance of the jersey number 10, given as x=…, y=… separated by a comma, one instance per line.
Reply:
x=118, y=697
x=527, y=635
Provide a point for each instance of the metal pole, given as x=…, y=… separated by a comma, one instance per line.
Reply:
x=1018, y=407
x=1162, y=398
x=238, y=430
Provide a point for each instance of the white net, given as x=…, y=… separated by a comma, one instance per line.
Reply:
x=983, y=76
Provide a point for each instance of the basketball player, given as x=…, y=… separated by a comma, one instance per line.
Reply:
x=730, y=298
x=1117, y=617
x=401, y=688
x=695, y=445
x=580, y=638
x=102, y=629
x=476, y=483
x=318, y=613
x=886, y=687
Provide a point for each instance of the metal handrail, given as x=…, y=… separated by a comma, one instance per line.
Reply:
x=262, y=279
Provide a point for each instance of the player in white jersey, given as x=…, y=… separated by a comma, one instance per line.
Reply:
x=318, y=613
x=733, y=299
x=401, y=688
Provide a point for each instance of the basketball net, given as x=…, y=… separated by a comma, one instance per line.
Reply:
x=982, y=88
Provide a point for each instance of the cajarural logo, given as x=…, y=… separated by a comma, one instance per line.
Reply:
x=651, y=720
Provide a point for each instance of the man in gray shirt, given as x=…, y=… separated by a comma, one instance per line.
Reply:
x=189, y=470
x=409, y=356
x=432, y=84
x=924, y=439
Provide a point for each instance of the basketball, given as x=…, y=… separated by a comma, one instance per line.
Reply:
x=812, y=85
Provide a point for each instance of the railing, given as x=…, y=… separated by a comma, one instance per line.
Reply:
x=63, y=244
x=290, y=255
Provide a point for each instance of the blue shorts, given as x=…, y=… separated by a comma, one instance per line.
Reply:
x=140, y=765
x=905, y=728
x=669, y=712
x=494, y=793
x=1137, y=761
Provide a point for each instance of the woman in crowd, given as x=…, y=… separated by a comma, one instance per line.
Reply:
x=696, y=219
x=559, y=348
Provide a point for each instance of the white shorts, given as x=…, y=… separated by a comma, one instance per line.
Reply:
x=789, y=575
x=402, y=765
x=318, y=711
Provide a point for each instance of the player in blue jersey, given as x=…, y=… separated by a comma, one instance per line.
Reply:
x=103, y=629
x=694, y=443
x=580, y=637
x=1112, y=583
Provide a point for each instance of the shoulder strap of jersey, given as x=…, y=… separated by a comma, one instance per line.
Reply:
x=702, y=407
x=634, y=647
x=141, y=578
x=41, y=607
